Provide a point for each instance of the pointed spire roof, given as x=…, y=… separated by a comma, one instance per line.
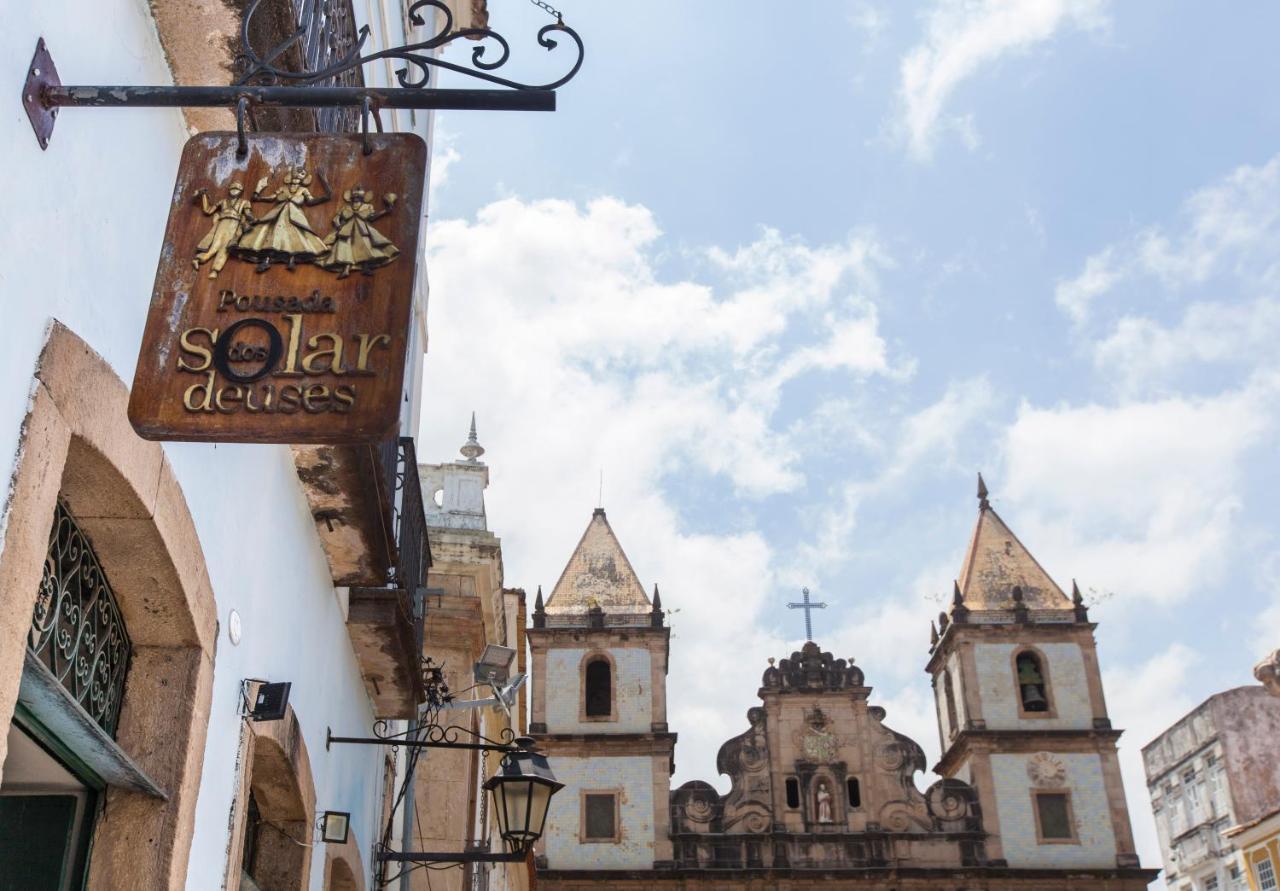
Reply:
x=997, y=562
x=598, y=574
x=471, y=449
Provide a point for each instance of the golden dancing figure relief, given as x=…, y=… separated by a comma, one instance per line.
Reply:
x=354, y=243
x=231, y=216
x=283, y=234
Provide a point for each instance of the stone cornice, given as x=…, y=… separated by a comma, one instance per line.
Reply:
x=970, y=741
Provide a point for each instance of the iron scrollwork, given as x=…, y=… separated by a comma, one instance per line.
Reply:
x=259, y=69
x=447, y=734
x=77, y=630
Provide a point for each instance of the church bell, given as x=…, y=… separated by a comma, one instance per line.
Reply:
x=1033, y=699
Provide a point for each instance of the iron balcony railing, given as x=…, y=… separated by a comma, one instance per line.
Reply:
x=398, y=479
x=307, y=35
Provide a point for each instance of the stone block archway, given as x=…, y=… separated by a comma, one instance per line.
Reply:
x=76, y=444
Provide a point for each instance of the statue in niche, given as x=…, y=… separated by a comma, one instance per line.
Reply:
x=823, y=799
x=354, y=243
x=283, y=233
x=231, y=216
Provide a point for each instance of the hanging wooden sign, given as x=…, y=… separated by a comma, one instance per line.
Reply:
x=284, y=292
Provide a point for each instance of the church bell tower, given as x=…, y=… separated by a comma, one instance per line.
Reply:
x=1021, y=711
x=600, y=648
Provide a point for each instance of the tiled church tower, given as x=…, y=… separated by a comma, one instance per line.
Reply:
x=599, y=649
x=1021, y=711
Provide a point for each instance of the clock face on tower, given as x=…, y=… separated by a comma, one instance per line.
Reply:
x=1046, y=770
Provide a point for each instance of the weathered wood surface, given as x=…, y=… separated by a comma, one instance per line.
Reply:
x=320, y=355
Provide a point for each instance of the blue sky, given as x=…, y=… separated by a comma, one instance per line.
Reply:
x=790, y=275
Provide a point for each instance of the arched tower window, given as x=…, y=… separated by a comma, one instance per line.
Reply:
x=598, y=689
x=1033, y=690
x=949, y=693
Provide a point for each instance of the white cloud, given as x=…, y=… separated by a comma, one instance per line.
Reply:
x=444, y=154
x=964, y=36
x=1143, y=700
x=926, y=441
x=1143, y=495
x=1077, y=295
x=870, y=19
x=553, y=321
x=1266, y=628
x=1141, y=351
x=1232, y=227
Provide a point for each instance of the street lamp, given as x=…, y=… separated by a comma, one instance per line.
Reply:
x=522, y=790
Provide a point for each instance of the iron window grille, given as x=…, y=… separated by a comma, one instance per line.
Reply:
x=77, y=630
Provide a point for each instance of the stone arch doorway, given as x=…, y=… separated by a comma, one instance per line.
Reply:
x=77, y=447
x=275, y=808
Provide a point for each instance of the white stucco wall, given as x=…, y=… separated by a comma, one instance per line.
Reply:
x=83, y=250
x=1069, y=687
x=633, y=685
x=633, y=775
x=1097, y=843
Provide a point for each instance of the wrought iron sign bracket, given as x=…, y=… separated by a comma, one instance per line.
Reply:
x=265, y=84
x=432, y=736
x=445, y=857
x=331, y=740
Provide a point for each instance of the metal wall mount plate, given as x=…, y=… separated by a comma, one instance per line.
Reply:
x=40, y=75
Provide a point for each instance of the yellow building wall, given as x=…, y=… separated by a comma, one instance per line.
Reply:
x=1261, y=850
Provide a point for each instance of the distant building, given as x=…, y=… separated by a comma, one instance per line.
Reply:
x=1213, y=770
x=468, y=609
x=824, y=795
x=1259, y=844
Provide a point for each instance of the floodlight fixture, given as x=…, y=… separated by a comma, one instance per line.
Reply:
x=335, y=826
x=271, y=702
x=494, y=667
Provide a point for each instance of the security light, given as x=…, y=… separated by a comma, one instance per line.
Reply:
x=334, y=826
x=271, y=702
x=494, y=667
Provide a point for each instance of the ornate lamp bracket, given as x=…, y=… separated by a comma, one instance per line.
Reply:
x=264, y=82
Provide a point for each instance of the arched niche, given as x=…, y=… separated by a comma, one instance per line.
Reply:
x=274, y=812
x=76, y=444
x=342, y=866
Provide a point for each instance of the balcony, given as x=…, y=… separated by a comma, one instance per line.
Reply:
x=367, y=506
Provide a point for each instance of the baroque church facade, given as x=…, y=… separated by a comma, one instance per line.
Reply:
x=823, y=791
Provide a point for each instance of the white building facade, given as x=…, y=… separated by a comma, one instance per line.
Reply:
x=209, y=569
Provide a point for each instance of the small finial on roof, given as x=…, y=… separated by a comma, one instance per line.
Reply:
x=471, y=449
x=657, y=598
x=983, y=503
x=1077, y=600
x=539, y=612
x=933, y=634
x=957, y=598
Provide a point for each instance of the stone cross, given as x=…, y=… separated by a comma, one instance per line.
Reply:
x=807, y=606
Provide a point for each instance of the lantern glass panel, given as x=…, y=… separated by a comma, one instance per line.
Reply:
x=515, y=795
x=539, y=802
